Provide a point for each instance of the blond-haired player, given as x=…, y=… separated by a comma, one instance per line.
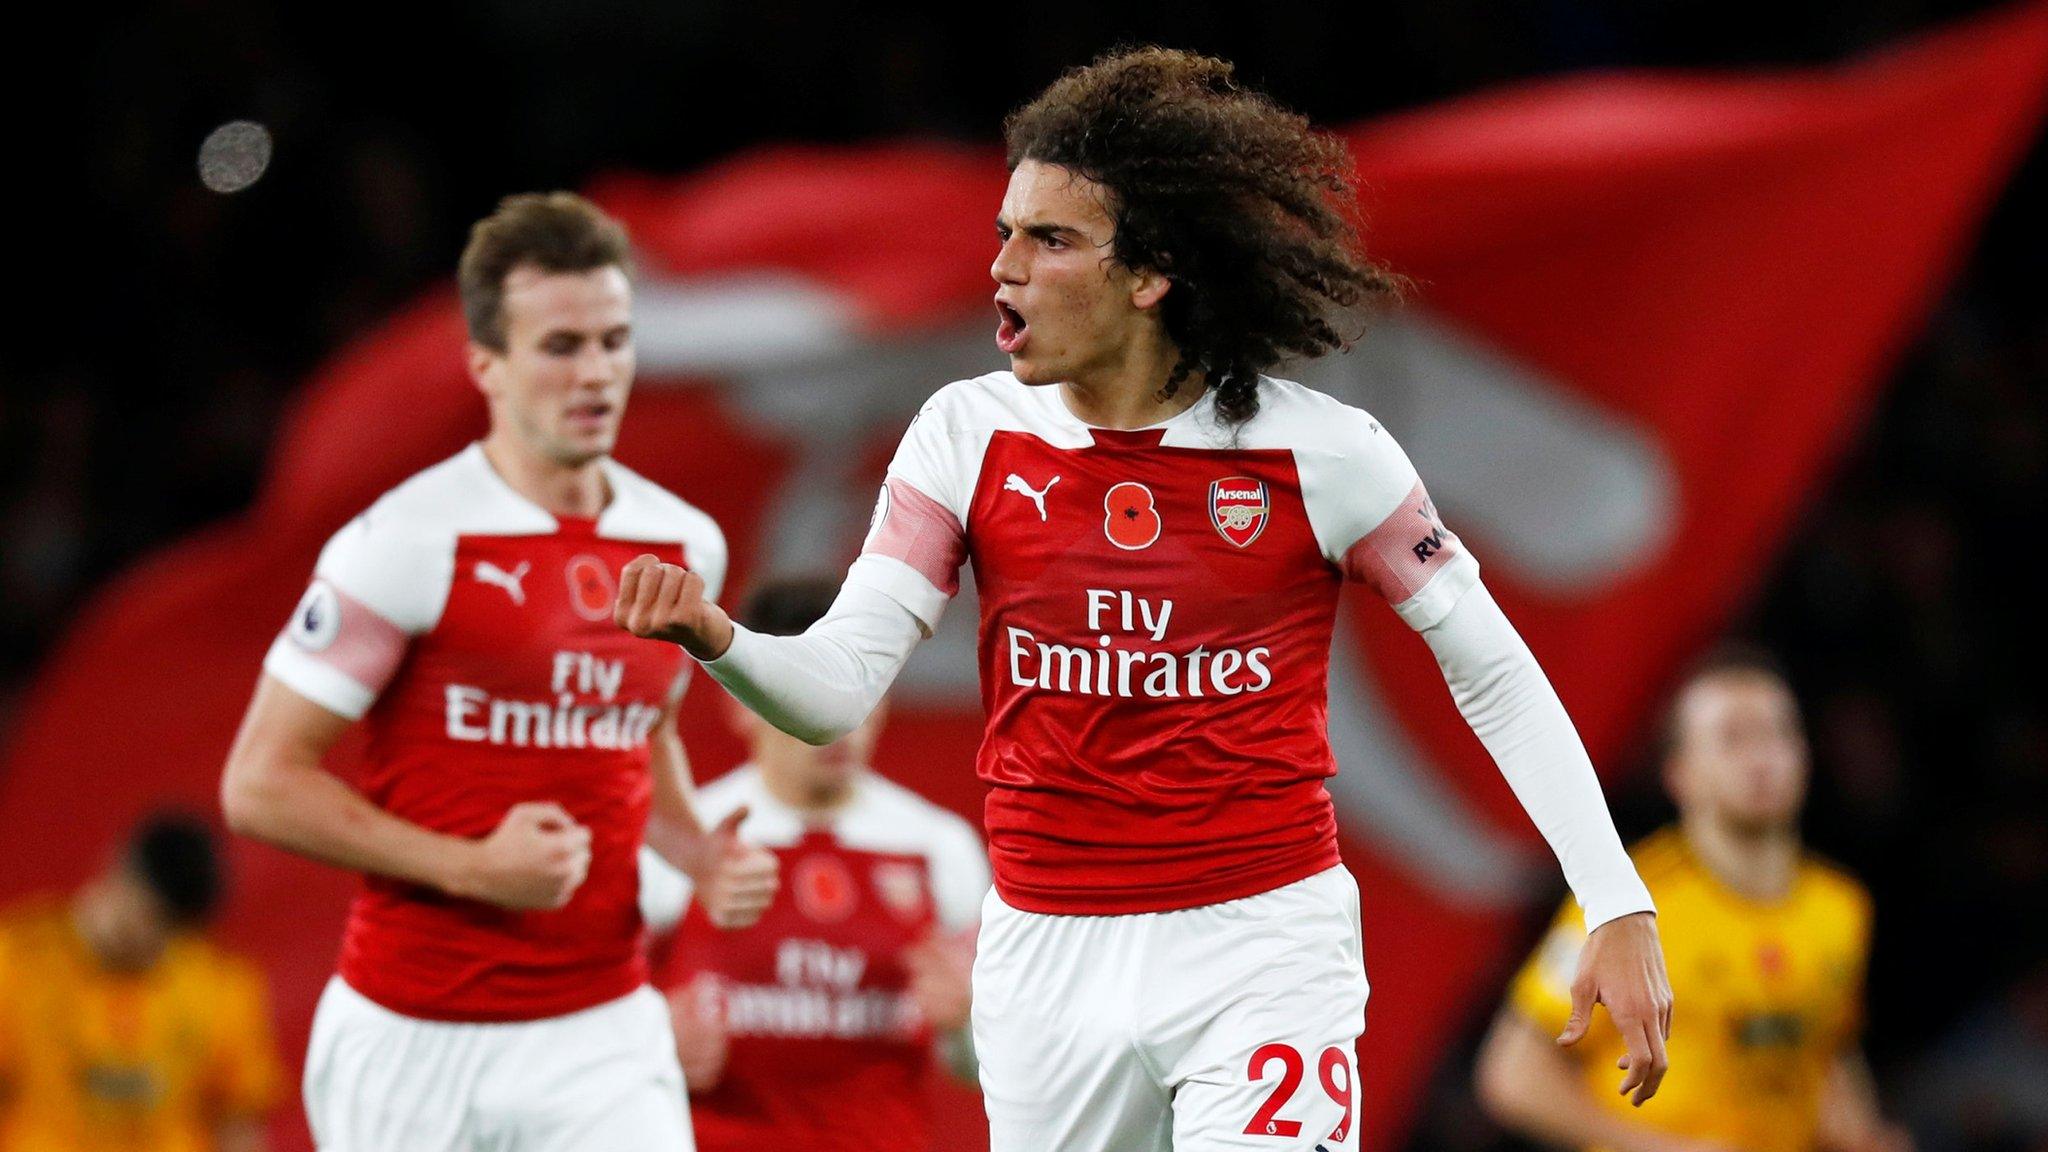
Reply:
x=1766, y=946
x=492, y=991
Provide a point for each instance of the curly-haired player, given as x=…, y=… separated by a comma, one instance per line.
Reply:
x=1159, y=533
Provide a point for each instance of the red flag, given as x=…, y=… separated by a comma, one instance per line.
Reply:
x=1651, y=310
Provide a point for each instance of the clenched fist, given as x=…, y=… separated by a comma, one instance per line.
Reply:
x=666, y=602
x=697, y=1010
x=942, y=978
x=536, y=858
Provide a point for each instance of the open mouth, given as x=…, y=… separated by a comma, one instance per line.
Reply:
x=593, y=412
x=1010, y=331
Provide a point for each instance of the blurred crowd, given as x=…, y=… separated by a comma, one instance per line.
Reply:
x=170, y=325
x=1915, y=647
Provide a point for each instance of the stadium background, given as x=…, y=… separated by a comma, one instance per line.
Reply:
x=209, y=383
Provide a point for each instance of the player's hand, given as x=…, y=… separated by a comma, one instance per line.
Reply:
x=736, y=881
x=698, y=1012
x=666, y=602
x=942, y=978
x=1622, y=966
x=1879, y=1136
x=1665, y=1142
x=535, y=859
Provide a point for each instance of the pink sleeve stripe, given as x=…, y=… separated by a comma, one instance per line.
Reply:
x=1405, y=552
x=922, y=533
x=366, y=647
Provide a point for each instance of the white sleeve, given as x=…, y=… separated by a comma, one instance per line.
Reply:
x=820, y=685
x=664, y=892
x=1376, y=522
x=917, y=540
x=1514, y=711
x=377, y=584
x=705, y=552
x=960, y=874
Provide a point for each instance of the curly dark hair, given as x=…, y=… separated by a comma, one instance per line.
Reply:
x=1248, y=212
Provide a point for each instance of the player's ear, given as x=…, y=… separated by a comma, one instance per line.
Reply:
x=1148, y=287
x=1675, y=780
x=483, y=367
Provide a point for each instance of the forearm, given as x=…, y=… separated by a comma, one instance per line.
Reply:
x=820, y=685
x=1530, y=1085
x=306, y=809
x=1564, y=1114
x=1850, y=1119
x=674, y=831
x=242, y=1134
x=1516, y=714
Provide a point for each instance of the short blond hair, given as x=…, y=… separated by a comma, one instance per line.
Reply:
x=1729, y=659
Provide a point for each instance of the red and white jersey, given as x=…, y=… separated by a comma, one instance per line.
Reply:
x=1156, y=609
x=827, y=1049
x=471, y=632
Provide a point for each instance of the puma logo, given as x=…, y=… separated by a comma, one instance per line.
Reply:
x=1015, y=483
x=488, y=573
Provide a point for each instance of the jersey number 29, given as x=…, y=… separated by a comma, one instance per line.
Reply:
x=1333, y=1068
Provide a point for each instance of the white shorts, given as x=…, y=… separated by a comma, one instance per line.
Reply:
x=601, y=1080
x=1228, y=1026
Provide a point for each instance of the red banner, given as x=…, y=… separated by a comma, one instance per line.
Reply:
x=1650, y=310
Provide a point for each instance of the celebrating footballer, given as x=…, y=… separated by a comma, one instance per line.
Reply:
x=1159, y=531
x=492, y=990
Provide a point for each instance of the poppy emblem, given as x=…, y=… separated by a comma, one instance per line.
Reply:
x=1129, y=517
x=824, y=889
x=591, y=588
x=1238, y=506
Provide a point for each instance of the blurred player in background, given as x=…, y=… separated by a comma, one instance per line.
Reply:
x=1159, y=534
x=817, y=1027
x=517, y=744
x=1767, y=947
x=122, y=1028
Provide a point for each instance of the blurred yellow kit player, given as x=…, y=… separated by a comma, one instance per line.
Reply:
x=1766, y=949
x=122, y=1028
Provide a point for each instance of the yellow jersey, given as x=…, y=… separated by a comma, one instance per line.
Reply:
x=94, y=1061
x=1766, y=997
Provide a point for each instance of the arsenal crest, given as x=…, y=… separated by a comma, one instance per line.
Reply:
x=901, y=887
x=1238, y=506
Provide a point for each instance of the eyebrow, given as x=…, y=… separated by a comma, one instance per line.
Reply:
x=580, y=333
x=1042, y=231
